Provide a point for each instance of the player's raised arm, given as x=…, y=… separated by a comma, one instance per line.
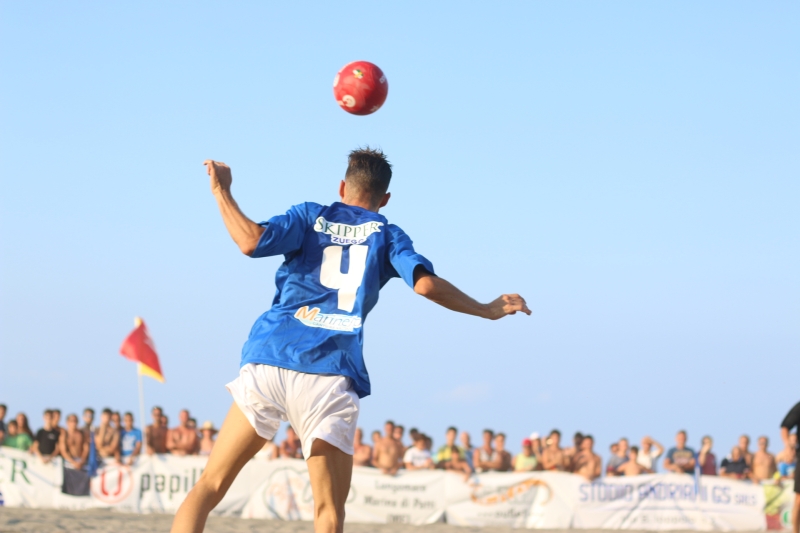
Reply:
x=447, y=295
x=245, y=232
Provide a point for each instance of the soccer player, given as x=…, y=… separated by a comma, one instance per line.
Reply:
x=303, y=360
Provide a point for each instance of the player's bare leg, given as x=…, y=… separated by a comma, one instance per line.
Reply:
x=236, y=444
x=330, y=470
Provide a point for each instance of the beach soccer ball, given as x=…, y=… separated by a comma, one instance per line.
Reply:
x=360, y=88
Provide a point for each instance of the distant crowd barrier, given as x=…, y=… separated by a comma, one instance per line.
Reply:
x=280, y=490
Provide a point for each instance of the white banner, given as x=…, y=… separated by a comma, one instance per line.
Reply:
x=281, y=490
x=527, y=500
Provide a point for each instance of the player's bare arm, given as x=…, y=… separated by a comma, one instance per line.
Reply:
x=245, y=232
x=447, y=295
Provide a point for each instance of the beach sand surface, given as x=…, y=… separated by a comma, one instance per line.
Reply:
x=106, y=521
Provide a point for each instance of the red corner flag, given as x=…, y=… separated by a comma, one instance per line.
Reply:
x=139, y=347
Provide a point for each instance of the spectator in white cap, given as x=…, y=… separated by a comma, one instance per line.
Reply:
x=207, y=431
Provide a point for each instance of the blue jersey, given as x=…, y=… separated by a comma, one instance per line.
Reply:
x=337, y=258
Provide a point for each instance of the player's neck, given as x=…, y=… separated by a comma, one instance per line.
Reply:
x=362, y=203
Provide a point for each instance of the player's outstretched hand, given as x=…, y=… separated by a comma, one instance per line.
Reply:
x=220, y=173
x=507, y=304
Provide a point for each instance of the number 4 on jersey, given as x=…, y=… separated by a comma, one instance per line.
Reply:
x=331, y=276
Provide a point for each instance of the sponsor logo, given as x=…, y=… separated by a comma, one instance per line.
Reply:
x=346, y=234
x=506, y=494
x=314, y=319
x=112, y=484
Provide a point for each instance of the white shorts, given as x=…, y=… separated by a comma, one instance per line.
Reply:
x=318, y=406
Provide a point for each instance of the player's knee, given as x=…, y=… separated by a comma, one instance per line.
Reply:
x=213, y=487
x=328, y=519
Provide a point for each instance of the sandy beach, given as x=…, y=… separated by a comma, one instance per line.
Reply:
x=106, y=521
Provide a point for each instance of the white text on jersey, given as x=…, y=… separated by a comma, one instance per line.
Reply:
x=314, y=319
x=346, y=234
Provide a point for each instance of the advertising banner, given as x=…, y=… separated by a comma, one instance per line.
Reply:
x=532, y=500
x=281, y=490
x=409, y=497
x=670, y=501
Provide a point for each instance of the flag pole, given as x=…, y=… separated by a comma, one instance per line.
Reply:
x=142, y=421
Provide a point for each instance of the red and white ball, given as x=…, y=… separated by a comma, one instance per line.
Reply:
x=360, y=88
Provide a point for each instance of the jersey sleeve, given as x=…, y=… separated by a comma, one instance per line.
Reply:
x=403, y=258
x=792, y=418
x=283, y=234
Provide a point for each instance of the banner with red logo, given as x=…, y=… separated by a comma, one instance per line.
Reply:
x=281, y=490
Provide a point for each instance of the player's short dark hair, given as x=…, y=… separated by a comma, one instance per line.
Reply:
x=369, y=172
x=107, y=411
x=48, y=412
x=451, y=428
x=489, y=431
x=635, y=449
x=555, y=432
x=54, y=411
x=501, y=434
x=128, y=413
x=3, y=407
x=89, y=410
x=683, y=431
x=588, y=437
x=389, y=422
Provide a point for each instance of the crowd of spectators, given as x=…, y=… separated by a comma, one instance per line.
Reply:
x=116, y=438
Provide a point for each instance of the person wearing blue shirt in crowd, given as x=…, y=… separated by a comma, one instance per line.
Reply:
x=680, y=458
x=303, y=359
x=130, y=440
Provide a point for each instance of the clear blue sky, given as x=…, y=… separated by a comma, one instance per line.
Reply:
x=630, y=168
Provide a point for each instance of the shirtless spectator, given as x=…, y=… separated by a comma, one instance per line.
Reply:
x=764, y=465
x=706, y=458
x=735, y=466
x=116, y=420
x=744, y=445
x=388, y=452
x=553, y=457
x=632, y=467
x=73, y=444
x=106, y=439
x=787, y=458
x=291, y=448
x=587, y=463
x=502, y=458
x=484, y=457
x=680, y=458
x=571, y=452
x=618, y=457
x=182, y=439
x=45, y=444
x=362, y=453
x=526, y=460
x=207, y=432
x=649, y=453
x=398, y=433
x=88, y=423
x=418, y=457
x=130, y=439
x=155, y=435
